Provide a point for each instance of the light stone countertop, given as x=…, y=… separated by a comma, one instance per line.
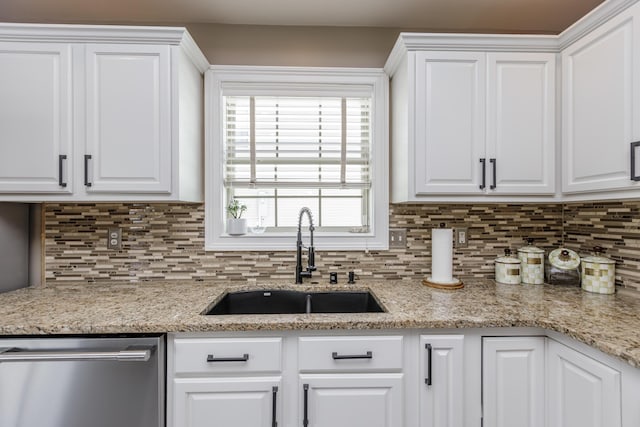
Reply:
x=610, y=323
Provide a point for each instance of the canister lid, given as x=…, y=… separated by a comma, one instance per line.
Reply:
x=530, y=249
x=598, y=258
x=507, y=258
x=564, y=259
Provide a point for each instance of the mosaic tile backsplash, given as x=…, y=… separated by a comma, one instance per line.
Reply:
x=165, y=241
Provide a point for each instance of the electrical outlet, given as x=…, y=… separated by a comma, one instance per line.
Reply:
x=462, y=237
x=397, y=238
x=114, y=239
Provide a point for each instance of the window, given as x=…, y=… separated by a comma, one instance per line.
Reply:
x=279, y=139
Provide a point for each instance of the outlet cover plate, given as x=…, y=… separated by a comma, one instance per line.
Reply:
x=114, y=239
x=462, y=237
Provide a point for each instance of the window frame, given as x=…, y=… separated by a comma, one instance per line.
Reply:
x=295, y=81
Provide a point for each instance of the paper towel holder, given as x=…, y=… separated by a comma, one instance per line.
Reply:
x=444, y=243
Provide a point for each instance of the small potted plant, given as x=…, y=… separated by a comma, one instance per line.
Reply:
x=236, y=225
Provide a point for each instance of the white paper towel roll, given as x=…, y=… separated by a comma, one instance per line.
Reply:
x=442, y=255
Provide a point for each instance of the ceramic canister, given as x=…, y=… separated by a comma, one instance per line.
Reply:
x=508, y=269
x=532, y=267
x=598, y=274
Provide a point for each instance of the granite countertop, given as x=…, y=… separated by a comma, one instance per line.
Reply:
x=610, y=323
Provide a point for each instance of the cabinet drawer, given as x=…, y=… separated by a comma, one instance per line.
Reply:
x=350, y=353
x=233, y=355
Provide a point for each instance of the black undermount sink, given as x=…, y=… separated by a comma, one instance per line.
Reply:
x=295, y=302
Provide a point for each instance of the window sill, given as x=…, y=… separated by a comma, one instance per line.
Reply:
x=287, y=242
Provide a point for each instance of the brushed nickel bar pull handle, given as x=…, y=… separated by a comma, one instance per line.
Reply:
x=336, y=356
x=19, y=355
x=87, y=157
x=244, y=358
x=484, y=174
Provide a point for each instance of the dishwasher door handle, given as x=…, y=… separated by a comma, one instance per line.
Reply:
x=127, y=355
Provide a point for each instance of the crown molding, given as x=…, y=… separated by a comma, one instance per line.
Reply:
x=91, y=33
x=592, y=20
x=69, y=33
x=194, y=53
x=410, y=42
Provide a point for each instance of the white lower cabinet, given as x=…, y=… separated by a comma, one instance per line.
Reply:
x=351, y=400
x=227, y=402
x=513, y=381
x=441, y=380
x=581, y=391
x=401, y=378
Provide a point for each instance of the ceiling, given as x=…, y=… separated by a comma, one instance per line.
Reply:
x=531, y=16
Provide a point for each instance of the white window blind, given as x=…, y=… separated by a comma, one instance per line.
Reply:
x=297, y=142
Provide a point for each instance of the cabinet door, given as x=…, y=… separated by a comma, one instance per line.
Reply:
x=226, y=402
x=449, y=122
x=441, y=384
x=35, y=118
x=521, y=123
x=582, y=392
x=128, y=113
x=601, y=91
x=513, y=381
x=342, y=400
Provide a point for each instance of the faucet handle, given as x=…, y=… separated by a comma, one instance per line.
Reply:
x=312, y=259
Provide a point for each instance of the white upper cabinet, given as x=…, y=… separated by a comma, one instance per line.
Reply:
x=35, y=117
x=450, y=123
x=601, y=102
x=521, y=123
x=128, y=111
x=471, y=122
x=115, y=117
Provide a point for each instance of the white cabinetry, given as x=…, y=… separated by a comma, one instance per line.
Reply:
x=231, y=381
x=118, y=117
x=581, y=391
x=449, y=122
x=352, y=400
x=521, y=123
x=513, y=392
x=351, y=381
x=35, y=117
x=246, y=402
x=601, y=100
x=472, y=122
x=128, y=116
x=441, y=381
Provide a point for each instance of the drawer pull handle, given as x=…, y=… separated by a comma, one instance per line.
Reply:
x=427, y=380
x=244, y=358
x=336, y=356
x=274, y=391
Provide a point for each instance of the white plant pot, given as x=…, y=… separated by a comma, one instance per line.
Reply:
x=236, y=226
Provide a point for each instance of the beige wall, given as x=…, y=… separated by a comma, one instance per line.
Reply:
x=293, y=45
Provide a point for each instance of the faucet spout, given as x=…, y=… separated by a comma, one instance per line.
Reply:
x=300, y=273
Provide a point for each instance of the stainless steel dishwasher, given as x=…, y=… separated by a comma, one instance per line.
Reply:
x=82, y=382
